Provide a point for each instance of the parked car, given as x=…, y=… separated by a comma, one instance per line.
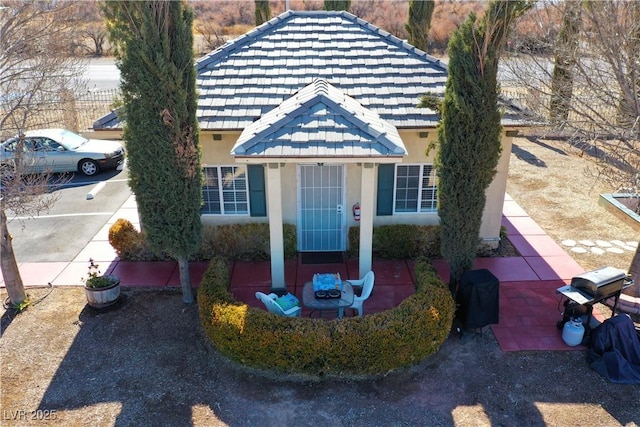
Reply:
x=60, y=150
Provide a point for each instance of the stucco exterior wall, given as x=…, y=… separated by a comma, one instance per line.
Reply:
x=416, y=143
x=492, y=215
x=217, y=152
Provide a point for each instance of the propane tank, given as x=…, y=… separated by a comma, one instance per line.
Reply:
x=573, y=332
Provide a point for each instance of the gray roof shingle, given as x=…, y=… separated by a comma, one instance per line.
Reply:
x=248, y=77
x=319, y=121
x=289, y=52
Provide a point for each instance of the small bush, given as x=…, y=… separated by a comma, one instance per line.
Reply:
x=373, y=344
x=400, y=241
x=129, y=243
x=236, y=241
x=353, y=237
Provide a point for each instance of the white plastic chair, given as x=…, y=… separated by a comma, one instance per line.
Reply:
x=367, y=286
x=272, y=306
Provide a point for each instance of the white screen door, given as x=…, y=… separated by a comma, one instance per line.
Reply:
x=321, y=216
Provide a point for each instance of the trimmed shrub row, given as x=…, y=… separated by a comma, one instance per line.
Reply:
x=400, y=241
x=233, y=241
x=372, y=344
x=250, y=242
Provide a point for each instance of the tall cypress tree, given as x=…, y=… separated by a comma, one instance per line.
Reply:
x=337, y=4
x=469, y=132
x=263, y=11
x=419, y=22
x=154, y=42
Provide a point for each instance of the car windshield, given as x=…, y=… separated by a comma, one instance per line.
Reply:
x=71, y=140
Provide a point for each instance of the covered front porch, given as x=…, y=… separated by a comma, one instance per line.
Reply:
x=326, y=135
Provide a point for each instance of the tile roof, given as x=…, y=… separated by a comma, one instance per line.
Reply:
x=320, y=121
x=249, y=76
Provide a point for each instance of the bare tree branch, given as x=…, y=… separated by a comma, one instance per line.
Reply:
x=37, y=65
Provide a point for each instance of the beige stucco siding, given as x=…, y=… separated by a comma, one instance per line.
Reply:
x=217, y=152
x=289, y=193
x=416, y=146
x=492, y=215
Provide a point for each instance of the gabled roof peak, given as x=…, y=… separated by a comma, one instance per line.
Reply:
x=320, y=118
x=321, y=86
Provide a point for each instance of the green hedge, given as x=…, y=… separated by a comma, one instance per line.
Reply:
x=400, y=241
x=372, y=344
x=250, y=242
x=244, y=242
x=232, y=241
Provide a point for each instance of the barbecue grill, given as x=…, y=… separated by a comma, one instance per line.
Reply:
x=590, y=288
x=602, y=283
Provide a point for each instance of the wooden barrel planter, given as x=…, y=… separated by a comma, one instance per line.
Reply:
x=103, y=296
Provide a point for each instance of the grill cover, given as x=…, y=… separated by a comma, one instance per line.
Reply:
x=600, y=283
x=615, y=350
x=478, y=297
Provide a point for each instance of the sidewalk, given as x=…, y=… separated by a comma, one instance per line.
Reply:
x=529, y=305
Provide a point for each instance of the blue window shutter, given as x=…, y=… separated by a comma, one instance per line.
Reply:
x=385, y=189
x=257, y=196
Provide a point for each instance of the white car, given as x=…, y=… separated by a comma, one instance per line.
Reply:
x=60, y=150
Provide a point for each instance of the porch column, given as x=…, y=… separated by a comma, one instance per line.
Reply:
x=274, y=197
x=367, y=207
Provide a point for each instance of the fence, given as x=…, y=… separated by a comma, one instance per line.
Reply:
x=67, y=110
x=78, y=111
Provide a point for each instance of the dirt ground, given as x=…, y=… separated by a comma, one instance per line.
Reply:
x=148, y=363
x=555, y=184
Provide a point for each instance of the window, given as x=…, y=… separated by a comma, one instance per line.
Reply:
x=416, y=189
x=13, y=144
x=225, y=190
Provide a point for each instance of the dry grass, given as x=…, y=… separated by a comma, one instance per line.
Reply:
x=550, y=181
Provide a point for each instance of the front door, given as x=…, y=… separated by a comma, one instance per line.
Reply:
x=321, y=214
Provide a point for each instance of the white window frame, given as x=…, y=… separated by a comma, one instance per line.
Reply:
x=221, y=190
x=421, y=179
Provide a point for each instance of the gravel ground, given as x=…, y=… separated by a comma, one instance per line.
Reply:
x=148, y=363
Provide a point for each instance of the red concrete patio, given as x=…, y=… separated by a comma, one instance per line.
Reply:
x=529, y=304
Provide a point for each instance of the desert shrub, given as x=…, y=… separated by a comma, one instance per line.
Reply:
x=369, y=345
x=130, y=244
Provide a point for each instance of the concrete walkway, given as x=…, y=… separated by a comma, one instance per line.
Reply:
x=529, y=304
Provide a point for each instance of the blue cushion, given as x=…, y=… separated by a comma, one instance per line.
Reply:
x=288, y=301
x=326, y=281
